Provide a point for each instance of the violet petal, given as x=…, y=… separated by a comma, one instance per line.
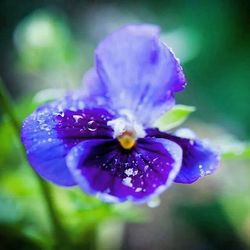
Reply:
x=199, y=159
x=103, y=168
x=93, y=91
x=139, y=72
x=53, y=129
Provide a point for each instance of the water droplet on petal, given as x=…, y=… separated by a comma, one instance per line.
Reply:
x=44, y=127
x=128, y=171
x=127, y=181
x=202, y=172
x=139, y=189
x=146, y=168
x=77, y=117
x=92, y=126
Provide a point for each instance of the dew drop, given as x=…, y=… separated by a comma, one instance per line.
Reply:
x=128, y=171
x=146, y=168
x=61, y=114
x=139, y=189
x=191, y=142
x=92, y=126
x=44, y=127
x=154, y=202
x=127, y=181
x=202, y=172
x=77, y=117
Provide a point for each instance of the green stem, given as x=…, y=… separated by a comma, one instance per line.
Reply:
x=7, y=107
x=58, y=230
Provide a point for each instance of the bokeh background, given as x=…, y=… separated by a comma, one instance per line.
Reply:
x=45, y=48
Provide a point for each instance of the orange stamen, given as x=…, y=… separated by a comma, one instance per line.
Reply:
x=126, y=140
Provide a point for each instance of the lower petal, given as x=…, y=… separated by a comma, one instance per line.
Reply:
x=103, y=168
x=198, y=158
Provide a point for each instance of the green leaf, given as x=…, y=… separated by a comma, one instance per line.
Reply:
x=237, y=151
x=232, y=148
x=174, y=117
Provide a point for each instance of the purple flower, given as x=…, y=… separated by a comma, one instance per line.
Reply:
x=102, y=138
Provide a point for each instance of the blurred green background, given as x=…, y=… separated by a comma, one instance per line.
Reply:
x=45, y=48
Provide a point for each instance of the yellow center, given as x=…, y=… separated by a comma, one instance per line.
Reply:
x=126, y=140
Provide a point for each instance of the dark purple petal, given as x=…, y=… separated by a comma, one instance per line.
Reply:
x=103, y=168
x=139, y=72
x=198, y=158
x=53, y=129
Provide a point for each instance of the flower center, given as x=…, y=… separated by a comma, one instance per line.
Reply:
x=126, y=129
x=127, y=140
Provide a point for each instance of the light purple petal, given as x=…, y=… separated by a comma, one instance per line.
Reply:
x=199, y=159
x=94, y=91
x=139, y=72
x=178, y=80
x=53, y=129
x=103, y=168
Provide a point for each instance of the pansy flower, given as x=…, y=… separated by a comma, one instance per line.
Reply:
x=103, y=138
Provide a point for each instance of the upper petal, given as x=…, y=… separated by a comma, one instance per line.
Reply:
x=53, y=129
x=139, y=72
x=93, y=90
x=103, y=168
x=199, y=159
x=177, y=80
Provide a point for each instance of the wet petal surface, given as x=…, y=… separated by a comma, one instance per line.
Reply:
x=198, y=158
x=53, y=129
x=103, y=168
x=139, y=72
